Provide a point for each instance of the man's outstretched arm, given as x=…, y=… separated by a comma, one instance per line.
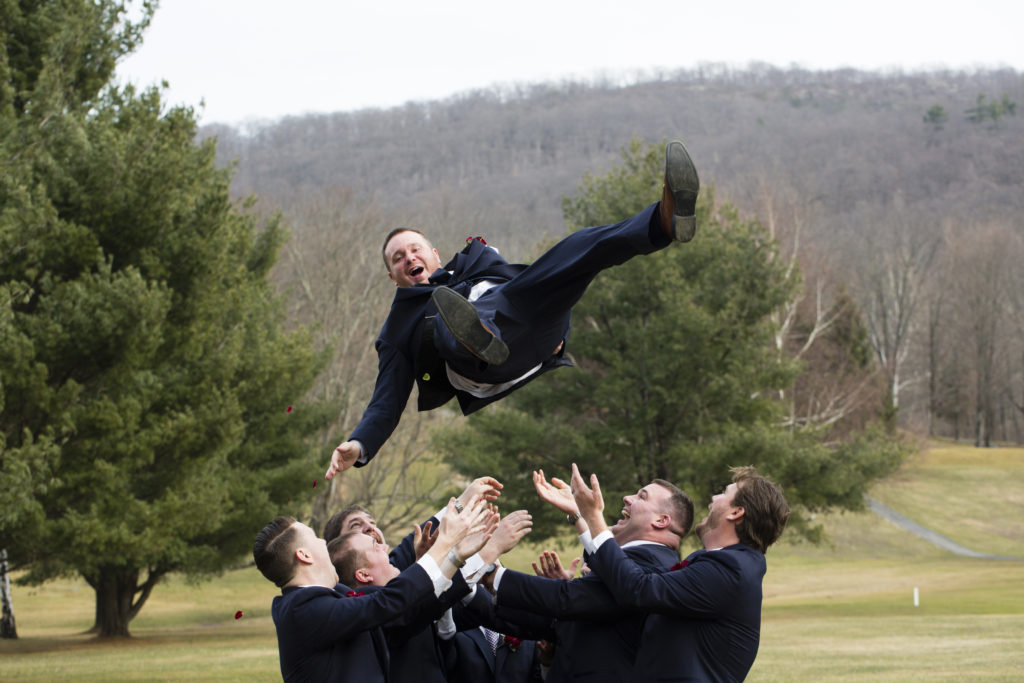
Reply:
x=390, y=394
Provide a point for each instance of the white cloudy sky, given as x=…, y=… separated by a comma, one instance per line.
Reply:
x=263, y=59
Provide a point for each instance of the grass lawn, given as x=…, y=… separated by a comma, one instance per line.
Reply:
x=974, y=496
x=842, y=611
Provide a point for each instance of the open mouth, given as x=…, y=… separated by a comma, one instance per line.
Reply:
x=415, y=272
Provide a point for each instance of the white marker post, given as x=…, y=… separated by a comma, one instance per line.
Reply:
x=917, y=597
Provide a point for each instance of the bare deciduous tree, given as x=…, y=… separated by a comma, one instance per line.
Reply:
x=984, y=261
x=834, y=385
x=335, y=279
x=897, y=251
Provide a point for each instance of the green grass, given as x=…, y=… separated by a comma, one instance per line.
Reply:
x=974, y=496
x=842, y=611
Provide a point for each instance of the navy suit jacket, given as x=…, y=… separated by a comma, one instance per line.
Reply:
x=470, y=660
x=705, y=620
x=398, y=344
x=481, y=611
x=414, y=651
x=596, y=638
x=322, y=635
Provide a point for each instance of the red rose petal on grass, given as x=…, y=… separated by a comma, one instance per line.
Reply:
x=238, y=614
x=314, y=483
x=288, y=410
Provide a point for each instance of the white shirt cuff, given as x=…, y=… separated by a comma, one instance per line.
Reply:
x=440, y=581
x=587, y=541
x=474, y=569
x=498, y=573
x=598, y=540
x=446, y=625
x=362, y=453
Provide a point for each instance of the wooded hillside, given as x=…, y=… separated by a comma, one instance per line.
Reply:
x=901, y=189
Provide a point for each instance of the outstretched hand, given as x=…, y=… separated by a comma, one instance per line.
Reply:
x=488, y=488
x=344, y=456
x=512, y=528
x=557, y=493
x=589, y=500
x=422, y=539
x=551, y=566
x=475, y=541
x=456, y=525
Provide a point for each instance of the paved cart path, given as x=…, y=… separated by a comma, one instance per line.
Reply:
x=927, y=534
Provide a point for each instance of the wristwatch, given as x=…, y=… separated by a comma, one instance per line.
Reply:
x=572, y=519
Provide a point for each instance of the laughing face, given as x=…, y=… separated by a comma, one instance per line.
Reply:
x=639, y=511
x=719, y=509
x=410, y=258
x=376, y=568
x=364, y=523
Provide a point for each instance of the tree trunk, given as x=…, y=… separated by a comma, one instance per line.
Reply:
x=116, y=602
x=8, y=629
x=114, y=590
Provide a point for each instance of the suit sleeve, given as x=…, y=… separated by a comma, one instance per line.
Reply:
x=481, y=611
x=583, y=598
x=704, y=587
x=395, y=377
x=427, y=612
x=318, y=617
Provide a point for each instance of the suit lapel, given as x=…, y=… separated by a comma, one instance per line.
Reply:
x=477, y=636
x=381, y=647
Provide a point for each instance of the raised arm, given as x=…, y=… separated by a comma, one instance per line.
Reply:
x=395, y=378
x=707, y=586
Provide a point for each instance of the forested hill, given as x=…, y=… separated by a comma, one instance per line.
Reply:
x=901, y=190
x=845, y=140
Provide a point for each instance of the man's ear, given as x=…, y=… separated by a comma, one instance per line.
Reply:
x=363, y=576
x=735, y=514
x=391, y=277
x=303, y=556
x=662, y=521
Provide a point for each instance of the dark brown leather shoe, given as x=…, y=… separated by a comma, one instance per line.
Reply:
x=462, y=321
x=678, y=211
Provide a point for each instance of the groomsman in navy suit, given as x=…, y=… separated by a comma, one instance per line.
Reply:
x=480, y=655
x=597, y=640
x=413, y=642
x=327, y=632
x=481, y=327
x=705, y=617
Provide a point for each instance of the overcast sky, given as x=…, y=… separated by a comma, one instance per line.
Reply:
x=252, y=60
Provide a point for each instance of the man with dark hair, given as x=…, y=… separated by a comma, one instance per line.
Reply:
x=481, y=327
x=326, y=632
x=597, y=639
x=273, y=550
x=353, y=517
x=356, y=517
x=363, y=563
x=705, y=618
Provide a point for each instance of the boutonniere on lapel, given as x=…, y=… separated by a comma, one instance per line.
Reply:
x=478, y=237
x=513, y=643
x=678, y=565
x=354, y=594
